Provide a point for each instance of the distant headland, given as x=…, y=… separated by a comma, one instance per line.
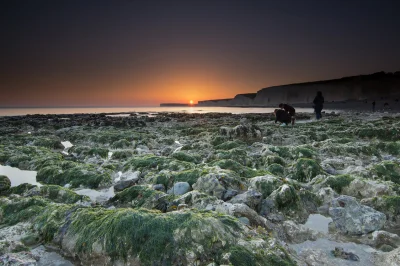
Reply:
x=174, y=104
x=380, y=86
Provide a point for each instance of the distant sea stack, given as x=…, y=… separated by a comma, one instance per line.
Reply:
x=375, y=86
x=174, y=104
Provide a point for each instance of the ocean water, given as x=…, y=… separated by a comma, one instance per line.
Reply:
x=153, y=109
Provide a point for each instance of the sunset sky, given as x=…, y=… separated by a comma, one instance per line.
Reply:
x=142, y=53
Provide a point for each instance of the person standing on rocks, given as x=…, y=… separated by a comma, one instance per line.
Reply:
x=373, y=106
x=290, y=110
x=318, y=104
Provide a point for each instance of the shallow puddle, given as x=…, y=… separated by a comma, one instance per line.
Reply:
x=318, y=222
x=18, y=177
x=97, y=195
x=364, y=252
x=66, y=144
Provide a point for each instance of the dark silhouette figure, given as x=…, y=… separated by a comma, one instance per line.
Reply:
x=290, y=110
x=318, y=104
x=385, y=106
x=373, y=106
x=281, y=116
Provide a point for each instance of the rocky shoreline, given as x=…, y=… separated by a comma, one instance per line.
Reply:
x=201, y=189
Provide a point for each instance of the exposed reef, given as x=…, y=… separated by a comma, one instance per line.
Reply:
x=202, y=189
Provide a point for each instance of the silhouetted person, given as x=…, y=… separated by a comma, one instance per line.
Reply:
x=281, y=116
x=385, y=106
x=373, y=106
x=290, y=110
x=318, y=104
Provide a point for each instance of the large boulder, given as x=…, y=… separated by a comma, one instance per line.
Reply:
x=353, y=218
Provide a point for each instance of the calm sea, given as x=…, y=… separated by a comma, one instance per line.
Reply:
x=154, y=109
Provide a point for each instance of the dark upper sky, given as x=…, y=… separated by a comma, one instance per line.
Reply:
x=121, y=52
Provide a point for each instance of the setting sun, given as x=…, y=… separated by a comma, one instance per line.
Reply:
x=191, y=102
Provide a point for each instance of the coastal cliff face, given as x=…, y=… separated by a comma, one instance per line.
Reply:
x=378, y=86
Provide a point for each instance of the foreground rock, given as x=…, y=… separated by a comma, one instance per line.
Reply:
x=130, y=237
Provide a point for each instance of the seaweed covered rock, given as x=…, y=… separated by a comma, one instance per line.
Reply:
x=286, y=202
x=306, y=169
x=270, y=159
x=143, y=197
x=387, y=170
x=157, y=163
x=74, y=174
x=350, y=217
x=131, y=237
x=5, y=184
x=241, y=131
x=241, y=170
x=265, y=184
x=61, y=195
x=183, y=156
x=189, y=176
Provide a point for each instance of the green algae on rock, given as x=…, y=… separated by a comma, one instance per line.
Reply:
x=5, y=184
x=306, y=169
x=127, y=235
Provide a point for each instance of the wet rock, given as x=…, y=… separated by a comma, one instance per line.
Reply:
x=129, y=175
x=364, y=188
x=242, y=210
x=159, y=187
x=244, y=220
x=251, y=198
x=229, y=194
x=123, y=184
x=315, y=257
x=268, y=208
x=179, y=188
x=23, y=258
x=286, y=202
x=35, y=191
x=298, y=233
x=391, y=258
x=353, y=218
x=379, y=239
x=210, y=184
x=389, y=205
x=340, y=253
x=22, y=188
x=327, y=195
x=31, y=239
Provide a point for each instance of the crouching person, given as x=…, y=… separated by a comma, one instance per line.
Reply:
x=290, y=110
x=282, y=116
